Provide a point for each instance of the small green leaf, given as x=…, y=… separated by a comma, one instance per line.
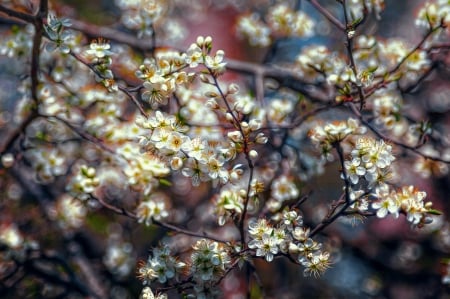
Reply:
x=434, y=212
x=165, y=182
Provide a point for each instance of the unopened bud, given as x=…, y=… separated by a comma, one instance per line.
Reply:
x=233, y=88
x=229, y=117
x=7, y=160
x=208, y=40
x=253, y=154
x=205, y=79
x=211, y=94
x=212, y=103
x=176, y=163
x=235, y=136
x=261, y=139
x=255, y=124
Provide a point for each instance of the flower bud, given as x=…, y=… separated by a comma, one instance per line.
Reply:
x=7, y=160
x=233, y=88
x=261, y=139
x=253, y=154
x=176, y=163
x=229, y=117
x=205, y=79
x=255, y=124
x=211, y=94
x=235, y=136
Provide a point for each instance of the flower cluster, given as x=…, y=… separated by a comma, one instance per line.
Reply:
x=192, y=155
x=280, y=21
x=252, y=27
x=284, y=21
x=229, y=204
x=373, y=57
x=47, y=164
x=161, y=76
x=164, y=75
x=209, y=261
x=326, y=136
x=119, y=259
x=18, y=43
x=160, y=265
x=387, y=107
x=407, y=200
x=288, y=237
x=370, y=159
x=70, y=212
x=11, y=236
x=428, y=167
x=283, y=189
x=433, y=14
x=83, y=183
x=358, y=8
x=56, y=32
x=142, y=15
x=152, y=208
x=142, y=169
x=147, y=293
x=314, y=61
x=279, y=110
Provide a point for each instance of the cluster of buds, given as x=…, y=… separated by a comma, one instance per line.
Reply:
x=280, y=21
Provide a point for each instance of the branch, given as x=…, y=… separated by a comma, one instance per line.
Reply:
x=43, y=198
x=333, y=20
x=330, y=218
x=285, y=77
x=350, y=31
x=390, y=140
x=172, y=227
x=83, y=134
x=17, y=14
x=17, y=132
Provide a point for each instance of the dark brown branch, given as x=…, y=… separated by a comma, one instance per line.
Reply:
x=126, y=91
x=330, y=218
x=350, y=31
x=83, y=134
x=7, y=145
x=344, y=172
x=17, y=14
x=333, y=20
x=172, y=227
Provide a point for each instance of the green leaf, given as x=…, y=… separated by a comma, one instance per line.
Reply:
x=434, y=212
x=165, y=182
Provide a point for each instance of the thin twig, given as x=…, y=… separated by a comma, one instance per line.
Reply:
x=333, y=20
